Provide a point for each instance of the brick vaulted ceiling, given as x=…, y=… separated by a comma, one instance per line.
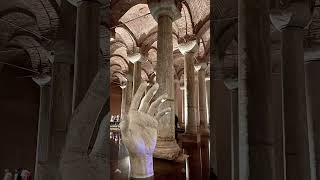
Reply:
x=134, y=26
x=30, y=27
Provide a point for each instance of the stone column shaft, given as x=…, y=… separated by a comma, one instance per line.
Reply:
x=183, y=108
x=208, y=99
x=182, y=89
x=189, y=50
x=189, y=93
x=202, y=102
x=43, y=139
x=164, y=78
x=313, y=103
x=256, y=136
x=196, y=99
x=123, y=101
x=232, y=85
x=61, y=102
x=165, y=12
x=136, y=76
x=87, y=48
x=235, y=134
x=129, y=87
x=297, y=150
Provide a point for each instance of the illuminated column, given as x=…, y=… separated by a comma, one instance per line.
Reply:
x=207, y=79
x=196, y=98
x=129, y=86
x=165, y=12
x=189, y=49
x=183, y=109
x=136, y=58
x=204, y=130
x=124, y=107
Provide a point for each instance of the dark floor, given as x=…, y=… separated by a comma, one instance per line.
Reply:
x=195, y=167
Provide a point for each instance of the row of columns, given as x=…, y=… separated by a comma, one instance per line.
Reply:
x=165, y=12
x=73, y=69
x=253, y=130
x=195, y=101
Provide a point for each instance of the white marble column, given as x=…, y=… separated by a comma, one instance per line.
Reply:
x=87, y=48
x=204, y=130
x=207, y=79
x=189, y=49
x=136, y=76
x=129, y=86
x=196, y=98
x=183, y=108
x=176, y=93
x=136, y=59
x=124, y=107
x=299, y=150
x=43, y=139
x=165, y=12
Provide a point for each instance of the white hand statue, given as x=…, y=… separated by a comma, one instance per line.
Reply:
x=139, y=130
x=76, y=162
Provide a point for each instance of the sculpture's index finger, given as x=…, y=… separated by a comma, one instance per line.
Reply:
x=147, y=98
x=138, y=96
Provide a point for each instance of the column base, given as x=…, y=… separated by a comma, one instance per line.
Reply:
x=168, y=150
x=190, y=138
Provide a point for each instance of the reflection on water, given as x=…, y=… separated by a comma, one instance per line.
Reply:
x=195, y=167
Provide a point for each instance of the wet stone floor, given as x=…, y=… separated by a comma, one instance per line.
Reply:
x=195, y=167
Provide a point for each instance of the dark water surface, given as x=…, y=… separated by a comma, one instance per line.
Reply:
x=195, y=167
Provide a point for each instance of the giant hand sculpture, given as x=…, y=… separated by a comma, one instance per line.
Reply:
x=139, y=130
x=76, y=162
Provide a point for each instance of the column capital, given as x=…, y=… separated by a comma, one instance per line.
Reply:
x=231, y=84
x=123, y=86
x=136, y=56
x=42, y=80
x=207, y=78
x=200, y=66
x=297, y=14
x=169, y=8
x=123, y=83
x=188, y=47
